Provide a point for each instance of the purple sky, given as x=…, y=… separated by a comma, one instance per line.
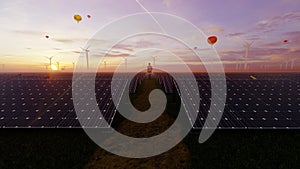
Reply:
x=24, y=25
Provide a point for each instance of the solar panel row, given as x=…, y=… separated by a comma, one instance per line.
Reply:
x=271, y=101
x=166, y=81
x=31, y=101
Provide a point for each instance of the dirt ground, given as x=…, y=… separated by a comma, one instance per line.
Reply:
x=178, y=157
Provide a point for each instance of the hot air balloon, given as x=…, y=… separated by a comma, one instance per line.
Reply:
x=195, y=48
x=47, y=37
x=89, y=16
x=212, y=40
x=78, y=18
x=285, y=41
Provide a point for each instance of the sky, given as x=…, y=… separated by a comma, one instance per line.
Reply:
x=266, y=24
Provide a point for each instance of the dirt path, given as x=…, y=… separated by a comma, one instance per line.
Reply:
x=178, y=157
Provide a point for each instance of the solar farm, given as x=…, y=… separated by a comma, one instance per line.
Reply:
x=271, y=101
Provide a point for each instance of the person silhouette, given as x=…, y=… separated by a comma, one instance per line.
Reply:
x=149, y=70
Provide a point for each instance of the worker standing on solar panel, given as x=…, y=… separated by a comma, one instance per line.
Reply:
x=149, y=70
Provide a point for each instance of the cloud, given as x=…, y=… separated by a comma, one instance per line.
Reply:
x=293, y=34
x=269, y=23
x=92, y=42
x=28, y=32
x=253, y=38
x=243, y=37
x=236, y=34
x=145, y=44
x=118, y=55
x=69, y=40
x=265, y=22
x=168, y=3
x=112, y=55
x=292, y=50
x=125, y=47
x=56, y=48
x=77, y=52
x=293, y=37
x=62, y=40
x=95, y=41
x=272, y=44
x=261, y=54
x=212, y=29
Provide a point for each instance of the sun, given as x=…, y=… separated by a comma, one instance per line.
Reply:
x=53, y=67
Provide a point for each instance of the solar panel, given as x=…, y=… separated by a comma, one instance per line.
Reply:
x=270, y=102
x=33, y=101
x=40, y=101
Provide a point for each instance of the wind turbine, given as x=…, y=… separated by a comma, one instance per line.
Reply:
x=237, y=64
x=247, y=46
x=153, y=57
x=286, y=65
x=73, y=65
x=105, y=65
x=50, y=59
x=261, y=66
x=292, y=64
x=57, y=65
x=46, y=65
x=87, y=57
x=125, y=59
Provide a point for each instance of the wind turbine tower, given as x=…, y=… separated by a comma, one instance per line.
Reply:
x=292, y=64
x=125, y=59
x=57, y=65
x=247, y=46
x=46, y=66
x=154, y=58
x=237, y=64
x=50, y=60
x=87, y=57
x=286, y=65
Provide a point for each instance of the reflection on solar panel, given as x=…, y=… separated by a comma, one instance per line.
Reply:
x=166, y=82
x=42, y=101
x=35, y=100
x=272, y=101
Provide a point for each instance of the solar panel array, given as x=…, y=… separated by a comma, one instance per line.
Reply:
x=166, y=81
x=35, y=100
x=45, y=102
x=137, y=80
x=272, y=101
